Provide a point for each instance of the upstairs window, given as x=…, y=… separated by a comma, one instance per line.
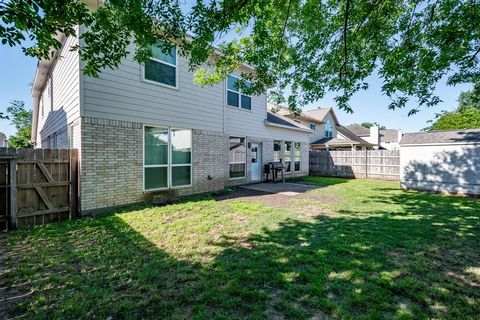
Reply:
x=328, y=129
x=313, y=126
x=235, y=96
x=162, y=67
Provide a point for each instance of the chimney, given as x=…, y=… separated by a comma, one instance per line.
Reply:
x=375, y=135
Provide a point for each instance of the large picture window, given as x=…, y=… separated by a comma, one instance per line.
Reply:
x=297, y=156
x=167, y=157
x=235, y=95
x=162, y=67
x=238, y=157
x=288, y=156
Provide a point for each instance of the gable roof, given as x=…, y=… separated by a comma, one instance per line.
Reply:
x=358, y=129
x=277, y=120
x=441, y=137
x=321, y=113
x=350, y=139
x=389, y=135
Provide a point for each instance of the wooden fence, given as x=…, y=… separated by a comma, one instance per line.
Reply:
x=37, y=186
x=367, y=164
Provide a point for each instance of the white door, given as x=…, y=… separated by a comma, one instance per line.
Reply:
x=256, y=153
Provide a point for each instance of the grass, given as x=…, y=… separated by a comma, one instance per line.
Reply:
x=351, y=249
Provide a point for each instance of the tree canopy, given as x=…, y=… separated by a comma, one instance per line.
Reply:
x=371, y=124
x=465, y=116
x=22, y=119
x=300, y=49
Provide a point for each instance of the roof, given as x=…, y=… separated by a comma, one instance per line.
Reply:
x=440, y=137
x=320, y=114
x=358, y=129
x=278, y=120
x=389, y=135
x=351, y=139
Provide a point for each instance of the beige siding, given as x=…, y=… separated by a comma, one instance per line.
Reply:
x=121, y=95
x=60, y=100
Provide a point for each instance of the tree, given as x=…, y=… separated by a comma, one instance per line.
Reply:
x=371, y=124
x=466, y=118
x=308, y=47
x=470, y=98
x=22, y=119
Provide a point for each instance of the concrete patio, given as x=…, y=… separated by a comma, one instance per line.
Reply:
x=286, y=188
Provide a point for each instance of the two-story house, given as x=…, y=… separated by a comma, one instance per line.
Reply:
x=143, y=129
x=327, y=133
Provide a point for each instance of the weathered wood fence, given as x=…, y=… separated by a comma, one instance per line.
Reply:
x=366, y=164
x=37, y=186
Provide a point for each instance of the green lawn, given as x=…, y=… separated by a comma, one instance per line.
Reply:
x=351, y=249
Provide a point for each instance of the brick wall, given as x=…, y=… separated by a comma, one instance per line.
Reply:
x=111, y=163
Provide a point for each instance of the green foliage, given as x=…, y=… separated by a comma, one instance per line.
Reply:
x=463, y=118
x=308, y=47
x=22, y=119
x=371, y=124
x=470, y=98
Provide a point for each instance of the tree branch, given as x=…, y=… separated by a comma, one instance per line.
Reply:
x=474, y=56
x=345, y=40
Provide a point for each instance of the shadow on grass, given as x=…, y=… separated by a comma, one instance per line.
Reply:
x=421, y=263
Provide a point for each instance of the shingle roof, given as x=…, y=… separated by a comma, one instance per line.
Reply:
x=358, y=129
x=350, y=135
x=284, y=121
x=450, y=136
x=389, y=135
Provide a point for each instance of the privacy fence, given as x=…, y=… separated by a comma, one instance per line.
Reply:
x=366, y=164
x=37, y=186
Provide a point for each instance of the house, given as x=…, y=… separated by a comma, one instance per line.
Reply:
x=327, y=131
x=441, y=161
x=148, y=129
x=3, y=140
x=380, y=139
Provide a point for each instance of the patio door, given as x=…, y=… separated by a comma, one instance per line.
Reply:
x=256, y=155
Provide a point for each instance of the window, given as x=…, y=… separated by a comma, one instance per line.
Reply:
x=313, y=126
x=167, y=157
x=328, y=129
x=162, y=67
x=297, y=156
x=235, y=97
x=238, y=157
x=277, y=151
x=288, y=156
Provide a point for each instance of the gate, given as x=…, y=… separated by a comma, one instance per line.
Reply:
x=42, y=185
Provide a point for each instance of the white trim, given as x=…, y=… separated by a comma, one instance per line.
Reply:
x=299, y=159
x=237, y=162
x=142, y=73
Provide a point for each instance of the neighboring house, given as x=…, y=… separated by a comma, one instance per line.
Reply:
x=380, y=139
x=3, y=140
x=443, y=161
x=327, y=131
x=145, y=129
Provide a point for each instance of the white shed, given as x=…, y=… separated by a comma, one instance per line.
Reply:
x=443, y=161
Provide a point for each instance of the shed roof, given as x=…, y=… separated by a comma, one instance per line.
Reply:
x=439, y=137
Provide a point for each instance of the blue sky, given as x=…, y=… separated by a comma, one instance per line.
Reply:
x=17, y=73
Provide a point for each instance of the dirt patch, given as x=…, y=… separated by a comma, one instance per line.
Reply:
x=311, y=203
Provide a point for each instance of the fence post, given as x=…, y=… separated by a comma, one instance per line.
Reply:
x=366, y=163
x=13, y=191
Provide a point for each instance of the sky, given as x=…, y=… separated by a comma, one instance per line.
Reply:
x=17, y=71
